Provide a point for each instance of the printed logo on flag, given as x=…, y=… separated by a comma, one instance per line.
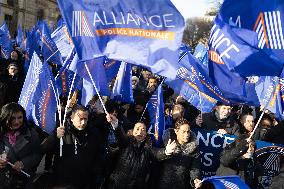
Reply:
x=269, y=29
x=44, y=101
x=80, y=25
x=229, y=185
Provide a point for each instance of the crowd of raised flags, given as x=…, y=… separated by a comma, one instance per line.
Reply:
x=94, y=45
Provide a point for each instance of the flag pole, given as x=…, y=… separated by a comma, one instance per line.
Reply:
x=52, y=55
x=65, y=112
x=144, y=111
x=200, y=100
x=257, y=124
x=12, y=165
x=97, y=91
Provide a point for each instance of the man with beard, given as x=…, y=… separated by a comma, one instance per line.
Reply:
x=219, y=120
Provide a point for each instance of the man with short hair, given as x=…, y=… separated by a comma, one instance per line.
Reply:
x=79, y=164
x=13, y=83
x=219, y=120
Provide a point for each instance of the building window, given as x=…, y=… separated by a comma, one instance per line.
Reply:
x=8, y=20
x=40, y=14
x=10, y=2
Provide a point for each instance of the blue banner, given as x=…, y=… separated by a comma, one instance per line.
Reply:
x=211, y=144
x=5, y=29
x=5, y=44
x=63, y=41
x=265, y=20
x=111, y=67
x=227, y=182
x=201, y=53
x=122, y=89
x=147, y=33
x=30, y=85
x=194, y=84
x=156, y=111
x=48, y=47
x=270, y=91
x=44, y=101
x=20, y=36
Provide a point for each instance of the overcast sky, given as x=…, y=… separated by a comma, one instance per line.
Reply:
x=192, y=8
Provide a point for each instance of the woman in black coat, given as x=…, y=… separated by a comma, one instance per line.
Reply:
x=182, y=170
x=136, y=155
x=19, y=144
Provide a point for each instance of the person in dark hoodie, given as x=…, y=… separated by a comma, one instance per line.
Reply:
x=182, y=170
x=79, y=164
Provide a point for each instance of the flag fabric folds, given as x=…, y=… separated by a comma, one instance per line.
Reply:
x=30, y=85
x=156, y=111
x=44, y=101
x=270, y=91
x=248, y=36
x=147, y=34
x=5, y=42
x=48, y=47
x=20, y=37
x=63, y=40
x=233, y=85
x=227, y=182
x=194, y=84
x=122, y=89
x=111, y=67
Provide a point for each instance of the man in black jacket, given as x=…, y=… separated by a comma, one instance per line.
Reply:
x=81, y=154
x=219, y=120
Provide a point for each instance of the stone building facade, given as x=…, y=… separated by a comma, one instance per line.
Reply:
x=26, y=13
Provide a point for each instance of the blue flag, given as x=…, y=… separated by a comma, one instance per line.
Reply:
x=20, y=36
x=157, y=117
x=233, y=86
x=88, y=92
x=122, y=89
x=194, y=84
x=48, y=47
x=201, y=53
x=65, y=75
x=62, y=40
x=261, y=22
x=64, y=82
x=5, y=29
x=146, y=33
x=270, y=91
x=97, y=71
x=227, y=182
x=44, y=101
x=30, y=85
x=5, y=45
x=111, y=67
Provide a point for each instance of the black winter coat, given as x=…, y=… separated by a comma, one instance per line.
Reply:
x=211, y=123
x=79, y=165
x=183, y=167
x=134, y=163
x=27, y=150
x=232, y=163
x=278, y=181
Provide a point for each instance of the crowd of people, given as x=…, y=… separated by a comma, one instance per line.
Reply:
x=97, y=149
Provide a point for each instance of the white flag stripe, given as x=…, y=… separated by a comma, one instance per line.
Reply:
x=268, y=30
x=280, y=29
x=272, y=29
